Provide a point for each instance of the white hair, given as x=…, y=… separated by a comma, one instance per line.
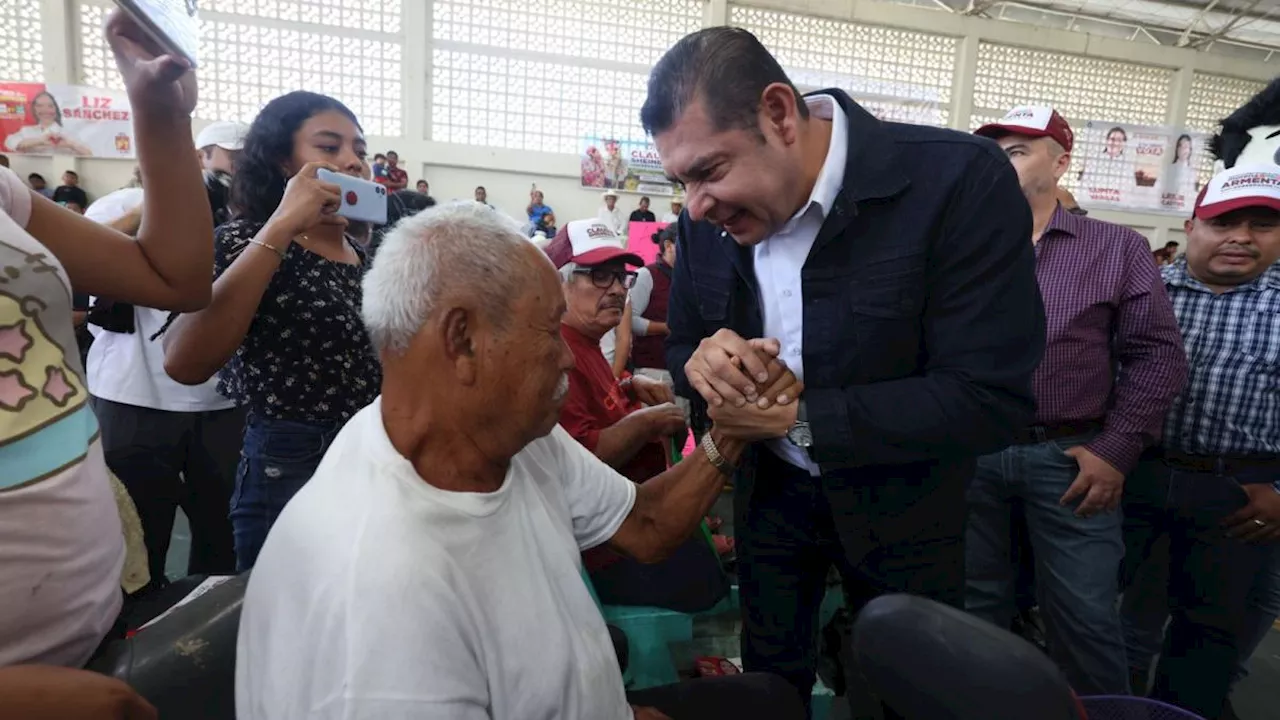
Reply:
x=452, y=248
x=567, y=272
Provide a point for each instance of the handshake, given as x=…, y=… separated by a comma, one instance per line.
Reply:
x=751, y=395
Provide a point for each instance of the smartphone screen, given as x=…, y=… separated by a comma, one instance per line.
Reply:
x=173, y=24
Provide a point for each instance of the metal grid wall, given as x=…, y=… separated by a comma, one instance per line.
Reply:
x=21, y=52
x=880, y=66
x=545, y=74
x=245, y=65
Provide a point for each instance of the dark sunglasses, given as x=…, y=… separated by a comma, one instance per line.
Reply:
x=604, y=279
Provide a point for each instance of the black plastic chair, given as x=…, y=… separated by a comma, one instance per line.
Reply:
x=929, y=661
x=184, y=664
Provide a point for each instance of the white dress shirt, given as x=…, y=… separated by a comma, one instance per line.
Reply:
x=779, y=259
x=612, y=218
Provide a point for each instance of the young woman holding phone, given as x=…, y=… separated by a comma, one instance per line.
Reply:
x=284, y=325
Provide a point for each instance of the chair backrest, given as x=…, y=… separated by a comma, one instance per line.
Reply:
x=1108, y=707
x=185, y=663
x=929, y=661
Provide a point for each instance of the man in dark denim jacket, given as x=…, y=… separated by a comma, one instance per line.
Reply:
x=888, y=266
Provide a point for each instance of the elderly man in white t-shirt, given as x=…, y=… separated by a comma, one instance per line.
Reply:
x=431, y=568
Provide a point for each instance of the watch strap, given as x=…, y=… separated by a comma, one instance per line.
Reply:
x=714, y=456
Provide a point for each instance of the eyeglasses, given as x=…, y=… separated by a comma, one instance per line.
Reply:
x=604, y=279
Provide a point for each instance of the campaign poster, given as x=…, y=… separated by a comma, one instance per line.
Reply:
x=623, y=165
x=40, y=119
x=1187, y=151
x=1121, y=165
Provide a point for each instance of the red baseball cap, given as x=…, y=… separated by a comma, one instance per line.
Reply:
x=1240, y=187
x=1033, y=121
x=588, y=242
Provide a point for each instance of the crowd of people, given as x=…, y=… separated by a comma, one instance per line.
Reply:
x=441, y=446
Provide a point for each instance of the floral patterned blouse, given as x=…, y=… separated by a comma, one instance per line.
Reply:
x=306, y=356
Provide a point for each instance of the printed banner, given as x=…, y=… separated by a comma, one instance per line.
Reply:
x=1138, y=167
x=39, y=119
x=624, y=165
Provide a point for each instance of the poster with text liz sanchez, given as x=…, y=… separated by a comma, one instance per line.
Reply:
x=40, y=119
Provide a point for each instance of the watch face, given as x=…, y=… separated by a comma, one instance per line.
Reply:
x=800, y=435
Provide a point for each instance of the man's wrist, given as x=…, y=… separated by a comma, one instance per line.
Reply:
x=730, y=449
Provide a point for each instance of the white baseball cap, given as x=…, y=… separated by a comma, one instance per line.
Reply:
x=588, y=242
x=224, y=133
x=114, y=205
x=1240, y=187
x=1032, y=121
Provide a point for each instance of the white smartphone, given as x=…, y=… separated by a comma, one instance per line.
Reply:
x=361, y=200
x=171, y=23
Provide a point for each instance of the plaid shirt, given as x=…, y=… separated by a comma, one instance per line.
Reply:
x=1231, y=403
x=1105, y=309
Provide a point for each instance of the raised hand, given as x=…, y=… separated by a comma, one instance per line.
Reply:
x=158, y=83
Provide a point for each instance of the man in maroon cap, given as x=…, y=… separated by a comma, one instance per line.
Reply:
x=1211, y=485
x=1106, y=308
x=608, y=415
x=625, y=421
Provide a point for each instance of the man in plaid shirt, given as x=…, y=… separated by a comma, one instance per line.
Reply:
x=1211, y=487
x=1105, y=309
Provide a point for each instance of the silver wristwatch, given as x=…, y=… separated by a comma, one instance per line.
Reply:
x=800, y=435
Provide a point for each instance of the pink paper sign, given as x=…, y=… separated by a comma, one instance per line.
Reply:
x=640, y=239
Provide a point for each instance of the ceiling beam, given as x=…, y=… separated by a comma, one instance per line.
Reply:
x=978, y=7
x=1185, y=39
x=1199, y=41
x=1239, y=18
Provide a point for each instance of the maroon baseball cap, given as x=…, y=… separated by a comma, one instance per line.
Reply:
x=1033, y=121
x=1239, y=187
x=588, y=242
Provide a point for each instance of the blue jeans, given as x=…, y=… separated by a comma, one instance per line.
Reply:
x=278, y=458
x=1145, y=611
x=1077, y=561
x=1206, y=578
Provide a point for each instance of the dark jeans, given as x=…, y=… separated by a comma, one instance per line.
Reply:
x=883, y=536
x=1209, y=576
x=688, y=581
x=168, y=460
x=1077, y=561
x=732, y=697
x=278, y=458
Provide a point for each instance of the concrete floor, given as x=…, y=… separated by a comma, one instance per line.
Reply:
x=1257, y=697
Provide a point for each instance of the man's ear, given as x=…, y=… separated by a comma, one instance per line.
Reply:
x=457, y=334
x=780, y=113
x=1188, y=226
x=1062, y=165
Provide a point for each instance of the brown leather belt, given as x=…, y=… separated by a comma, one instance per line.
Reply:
x=1220, y=464
x=1044, y=433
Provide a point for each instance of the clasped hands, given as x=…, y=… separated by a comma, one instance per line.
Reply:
x=751, y=394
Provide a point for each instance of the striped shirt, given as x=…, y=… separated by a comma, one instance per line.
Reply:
x=1105, y=308
x=1231, y=403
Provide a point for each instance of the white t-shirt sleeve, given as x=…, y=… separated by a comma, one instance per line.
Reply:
x=640, y=293
x=15, y=197
x=599, y=498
